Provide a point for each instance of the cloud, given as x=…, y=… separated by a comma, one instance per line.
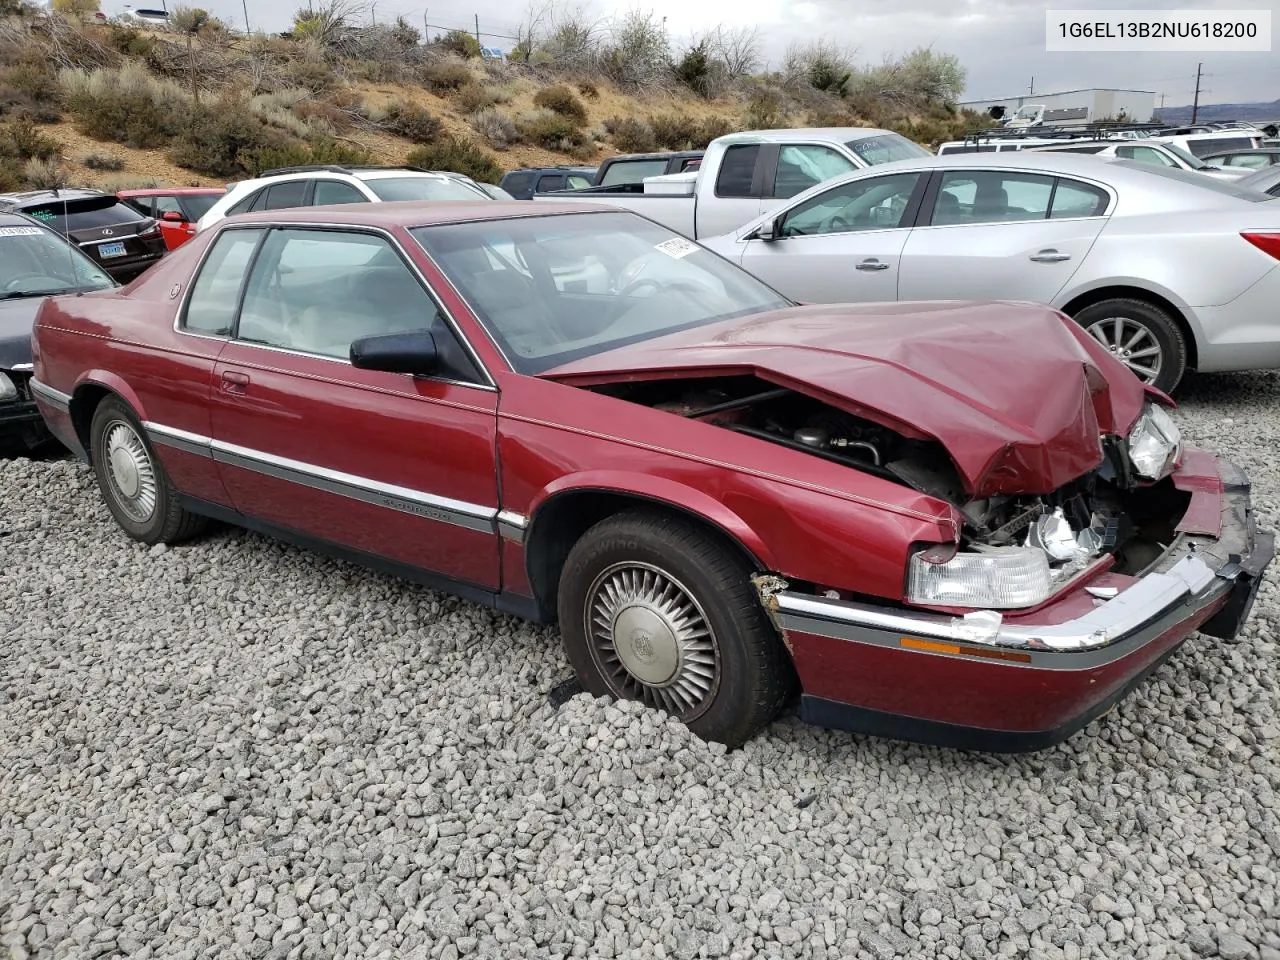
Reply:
x=1000, y=42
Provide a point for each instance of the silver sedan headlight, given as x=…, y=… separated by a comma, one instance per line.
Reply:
x=8, y=391
x=1154, y=442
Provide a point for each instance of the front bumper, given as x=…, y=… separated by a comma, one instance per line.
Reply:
x=22, y=429
x=1005, y=684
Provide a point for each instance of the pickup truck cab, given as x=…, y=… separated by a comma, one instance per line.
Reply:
x=636, y=167
x=744, y=174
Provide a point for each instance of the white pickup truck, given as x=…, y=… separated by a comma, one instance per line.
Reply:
x=744, y=174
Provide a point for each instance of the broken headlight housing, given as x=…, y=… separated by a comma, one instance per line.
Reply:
x=8, y=389
x=1154, y=442
x=1000, y=578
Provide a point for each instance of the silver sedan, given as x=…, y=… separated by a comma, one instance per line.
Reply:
x=1171, y=270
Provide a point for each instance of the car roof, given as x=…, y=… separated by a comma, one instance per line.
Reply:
x=654, y=155
x=415, y=213
x=172, y=192
x=829, y=134
x=382, y=173
x=36, y=197
x=559, y=168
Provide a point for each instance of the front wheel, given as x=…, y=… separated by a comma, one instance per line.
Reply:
x=1141, y=336
x=134, y=485
x=653, y=609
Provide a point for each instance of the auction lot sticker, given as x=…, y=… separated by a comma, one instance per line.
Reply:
x=1158, y=31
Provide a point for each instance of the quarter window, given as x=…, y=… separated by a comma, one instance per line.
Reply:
x=283, y=196
x=211, y=308
x=737, y=171
x=167, y=205
x=1144, y=155
x=1074, y=199
x=876, y=204
x=316, y=291
x=982, y=196
x=800, y=166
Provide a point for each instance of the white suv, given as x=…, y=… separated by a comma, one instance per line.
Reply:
x=321, y=185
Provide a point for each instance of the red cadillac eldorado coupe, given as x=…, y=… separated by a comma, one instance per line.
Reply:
x=577, y=415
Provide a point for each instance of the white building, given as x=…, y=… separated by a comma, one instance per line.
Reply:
x=1078, y=106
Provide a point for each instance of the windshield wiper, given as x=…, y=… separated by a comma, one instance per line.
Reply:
x=27, y=294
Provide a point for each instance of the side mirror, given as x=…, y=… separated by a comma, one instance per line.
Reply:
x=172, y=216
x=414, y=353
x=767, y=231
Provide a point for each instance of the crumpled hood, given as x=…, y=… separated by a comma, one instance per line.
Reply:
x=1017, y=393
x=16, y=320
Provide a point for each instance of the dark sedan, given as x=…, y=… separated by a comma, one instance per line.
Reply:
x=109, y=231
x=35, y=262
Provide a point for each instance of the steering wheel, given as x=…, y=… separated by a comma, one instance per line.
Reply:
x=15, y=283
x=838, y=223
x=629, y=291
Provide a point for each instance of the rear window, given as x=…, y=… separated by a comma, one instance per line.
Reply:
x=394, y=189
x=633, y=171
x=1204, y=146
x=886, y=149
x=199, y=204
x=737, y=170
x=84, y=214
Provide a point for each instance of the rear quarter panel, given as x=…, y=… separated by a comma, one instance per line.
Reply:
x=803, y=517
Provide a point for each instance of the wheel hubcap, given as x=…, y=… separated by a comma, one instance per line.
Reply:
x=1132, y=343
x=130, y=471
x=651, y=640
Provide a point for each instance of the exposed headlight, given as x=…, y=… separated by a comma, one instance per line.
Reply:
x=998, y=578
x=7, y=389
x=1153, y=442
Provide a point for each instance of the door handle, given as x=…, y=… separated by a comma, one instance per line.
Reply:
x=871, y=263
x=1050, y=256
x=235, y=382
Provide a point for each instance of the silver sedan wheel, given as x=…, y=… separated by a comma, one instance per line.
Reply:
x=130, y=472
x=1132, y=343
x=651, y=640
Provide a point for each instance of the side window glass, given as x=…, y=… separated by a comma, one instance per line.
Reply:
x=737, y=170
x=165, y=205
x=1074, y=199
x=876, y=204
x=553, y=181
x=245, y=205
x=316, y=291
x=518, y=183
x=283, y=196
x=800, y=166
x=991, y=196
x=211, y=308
x=144, y=205
x=335, y=191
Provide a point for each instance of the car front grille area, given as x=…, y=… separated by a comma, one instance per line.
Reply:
x=22, y=381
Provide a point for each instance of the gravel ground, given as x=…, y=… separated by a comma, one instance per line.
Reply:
x=237, y=749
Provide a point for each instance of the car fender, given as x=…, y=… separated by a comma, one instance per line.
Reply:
x=114, y=384
x=1074, y=291
x=661, y=490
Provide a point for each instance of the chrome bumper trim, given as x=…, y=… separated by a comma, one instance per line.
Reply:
x=55, y=398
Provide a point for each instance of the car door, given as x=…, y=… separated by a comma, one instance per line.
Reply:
x=842, y=245
x=390, y=465
x=737, y=190
x=1000, y=234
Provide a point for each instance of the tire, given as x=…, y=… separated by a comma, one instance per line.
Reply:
x=701, y=648
x=132, y=480
x=1153, y=326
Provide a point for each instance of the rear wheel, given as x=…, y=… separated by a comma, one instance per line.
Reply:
x=134, y=485
x=654, y=609
x=1142, y=336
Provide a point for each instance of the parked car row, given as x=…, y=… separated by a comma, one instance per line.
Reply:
x=963, y=523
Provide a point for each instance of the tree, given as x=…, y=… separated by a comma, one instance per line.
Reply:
x=323, y=22
x=190, y=20
x=76, y=8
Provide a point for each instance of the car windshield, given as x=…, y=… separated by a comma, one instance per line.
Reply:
x=84, y=214
x=424, y=188
x=199, y=203
x=554, y=289
x=1195, y=163
x=887, y=148
x=36, y=262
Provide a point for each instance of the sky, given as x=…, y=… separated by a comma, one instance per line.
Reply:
x=1000, y=42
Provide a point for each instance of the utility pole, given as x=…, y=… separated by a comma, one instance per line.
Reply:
x=478, y=29
x=1195, y=104
x=245, y=3
x=1031, y=91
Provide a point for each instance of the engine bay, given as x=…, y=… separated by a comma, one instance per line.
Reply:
x=1103, y=512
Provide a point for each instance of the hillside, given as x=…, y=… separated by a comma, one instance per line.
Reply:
x=109, y=105
x=1208, y=112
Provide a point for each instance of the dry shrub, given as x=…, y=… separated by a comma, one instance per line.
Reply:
x=278, y=110
x=459, y=156
x=589, y=90
x=474, y=97
x=496, y=127
x=551, y=130
x=45, y=175
x=20, y=142
x=322, y=150
x=632, y=135
x=766, y=109
x=561, y=100
x=326, y=112
x=310, y=73
x=103, y=161
x=128, y=41
x=216, y=140
x=127, y=106
x=29, y=89
x=445, y=77
x=412, y=123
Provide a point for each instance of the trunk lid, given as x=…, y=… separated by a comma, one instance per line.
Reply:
x=1017, y=393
